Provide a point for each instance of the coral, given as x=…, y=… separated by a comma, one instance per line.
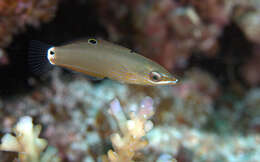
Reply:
x=132, y=131
x=191, y=102
x=251, y=68
x=73, y=116
x=246, y=15
x=75, y=119
x=165, y=158
x=27, y=143
x=206, y=146
x=168, y=31
x=208, y=10
x=171, y=32
x=251, y=110
x=16, y=14
x=212, y=115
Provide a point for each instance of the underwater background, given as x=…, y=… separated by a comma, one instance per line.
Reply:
x=211, y=115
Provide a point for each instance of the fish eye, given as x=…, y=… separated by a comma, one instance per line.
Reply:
x=92, y=41
x=155, y=76
x=52, y=52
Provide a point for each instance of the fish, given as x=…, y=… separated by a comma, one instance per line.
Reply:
x=100, y=59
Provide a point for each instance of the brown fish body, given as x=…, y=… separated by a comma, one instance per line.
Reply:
x=99, y=58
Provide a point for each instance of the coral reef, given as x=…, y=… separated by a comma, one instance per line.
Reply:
x=192, y=102
x=246, y=15
x=126, y=143
x=27, y=143
x=174, y=29
x=205, y=146
x=211, y=115
x=16, y=14
x=171, y=32
x=251, y=110
x=76, y=120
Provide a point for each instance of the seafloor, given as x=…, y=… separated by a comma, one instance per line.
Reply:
x=212, y=46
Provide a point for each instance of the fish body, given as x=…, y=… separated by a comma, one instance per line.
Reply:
x=102, y=59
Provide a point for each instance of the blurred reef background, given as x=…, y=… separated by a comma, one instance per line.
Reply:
x=213, y=46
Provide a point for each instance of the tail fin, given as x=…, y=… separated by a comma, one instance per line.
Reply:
x=37, y=59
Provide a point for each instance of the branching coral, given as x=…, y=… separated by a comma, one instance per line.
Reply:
x=130, y=139
x=27, y=143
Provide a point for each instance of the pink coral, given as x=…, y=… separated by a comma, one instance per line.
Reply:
x=168, y=31
x=16, y=14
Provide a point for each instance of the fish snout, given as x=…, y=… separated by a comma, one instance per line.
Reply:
x=173, y=81
x=168, y=81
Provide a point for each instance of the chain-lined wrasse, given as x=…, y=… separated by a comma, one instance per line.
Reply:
x=100, y=59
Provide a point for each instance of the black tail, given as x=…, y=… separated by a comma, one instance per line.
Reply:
x=37, y=58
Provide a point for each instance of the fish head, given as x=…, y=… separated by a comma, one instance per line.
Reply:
x=161, y=78
x=154, y=75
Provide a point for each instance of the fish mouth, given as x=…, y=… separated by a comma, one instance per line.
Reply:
x=165, y=80
x=168, y=81
x=175, y=81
